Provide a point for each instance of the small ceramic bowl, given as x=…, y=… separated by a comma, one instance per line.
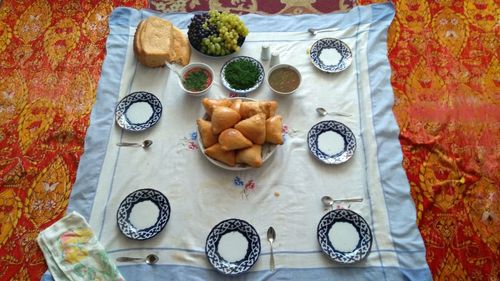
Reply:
x=284, y=67
x=193, y=67
x=243, y=92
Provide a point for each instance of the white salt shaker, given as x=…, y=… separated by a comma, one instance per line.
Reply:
x=265, y=53
x=275, y=59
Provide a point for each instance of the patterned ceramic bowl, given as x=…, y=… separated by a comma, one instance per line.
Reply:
x=255, y=86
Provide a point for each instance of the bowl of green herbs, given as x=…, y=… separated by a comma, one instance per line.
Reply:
x=196, y=79
x=242, y=75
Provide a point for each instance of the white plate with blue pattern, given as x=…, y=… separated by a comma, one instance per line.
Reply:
x=243, y=92
x=344, y=236
x=331, y=55
x=331, y=142
x=138, y=111
x=143, y=214
x=233, y=246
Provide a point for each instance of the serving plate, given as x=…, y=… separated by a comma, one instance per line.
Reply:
x=267, y=148
x=241, y=40
x=243, y=92
x=331, y=142
x=331, y=55
x=141, y=222
x=344, y=236
x=138, y=111
x=242, y=260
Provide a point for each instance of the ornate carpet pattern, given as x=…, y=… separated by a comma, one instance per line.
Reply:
x=445, y=60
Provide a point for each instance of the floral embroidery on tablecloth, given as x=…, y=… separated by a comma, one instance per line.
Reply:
x=190, y=142
x=288, y=132
x=246, y=186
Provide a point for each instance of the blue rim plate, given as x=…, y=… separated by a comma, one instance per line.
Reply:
x=339, y=128
x=347, y=216
x=123, y=106
x=125, y=208
x=244, y=92
x=212, y=245
x=331, y=43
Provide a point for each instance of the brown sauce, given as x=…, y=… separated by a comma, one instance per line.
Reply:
x=284, y=80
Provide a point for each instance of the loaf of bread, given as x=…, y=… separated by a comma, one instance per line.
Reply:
x=158, y=41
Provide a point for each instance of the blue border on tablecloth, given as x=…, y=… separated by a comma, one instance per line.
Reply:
x=408, y=243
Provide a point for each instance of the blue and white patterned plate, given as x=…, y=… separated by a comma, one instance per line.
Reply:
x=212, y=246
x=343, y=55
x=138, y=196
x=364, y=243
x=123, y=119
x=339, y=128
x=243, y=92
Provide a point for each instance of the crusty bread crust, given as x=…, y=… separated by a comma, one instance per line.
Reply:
x=157, y=41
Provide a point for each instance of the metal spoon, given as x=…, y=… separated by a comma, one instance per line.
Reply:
x=171, y=67
x=328, y=201
x=150, y=259
x=271, y=236
x=322, y=112
x=144, y=144
x=315, y=31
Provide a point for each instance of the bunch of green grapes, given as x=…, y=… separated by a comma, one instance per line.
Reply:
x=228, y=38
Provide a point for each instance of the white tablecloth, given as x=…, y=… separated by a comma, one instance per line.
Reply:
x=286, y=191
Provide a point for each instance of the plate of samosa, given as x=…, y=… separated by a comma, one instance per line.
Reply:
x=239, y=133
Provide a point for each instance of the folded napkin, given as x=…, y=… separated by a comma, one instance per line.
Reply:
x=72, y=251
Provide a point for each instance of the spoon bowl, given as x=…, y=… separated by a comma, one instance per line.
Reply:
x=147, y=143
x=327, y=202
x=152, y=259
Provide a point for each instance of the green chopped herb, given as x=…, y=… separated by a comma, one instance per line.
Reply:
x=196, y=80
x=241, y=74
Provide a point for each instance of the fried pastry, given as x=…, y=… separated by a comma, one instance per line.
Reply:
x=232, y=139
x=251, y=108
x=236, y=104
x=273, y=130
x=254, y=128
x=224, y=118
x=205, y=128
x=209, y=104
x=216, y=152
x=250, y=156
x=268, y=107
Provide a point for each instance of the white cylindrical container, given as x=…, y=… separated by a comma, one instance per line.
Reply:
x=265, y=53
x=275, y=59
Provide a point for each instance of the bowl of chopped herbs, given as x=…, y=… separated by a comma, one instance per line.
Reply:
x=242, y=75
x=196, y=79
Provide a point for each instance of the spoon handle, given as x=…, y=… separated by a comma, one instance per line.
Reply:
x=271, y=261
x=340, y=114
x=172, y=68
x=128, y=259
x=349, y=200
x=128, y=144
x=318, y=30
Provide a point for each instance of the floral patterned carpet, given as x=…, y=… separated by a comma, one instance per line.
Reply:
x=445, y=60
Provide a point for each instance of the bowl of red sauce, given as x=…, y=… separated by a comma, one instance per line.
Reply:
x=197, y=79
